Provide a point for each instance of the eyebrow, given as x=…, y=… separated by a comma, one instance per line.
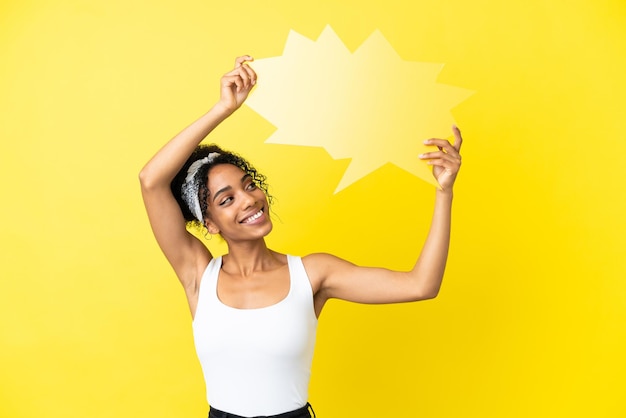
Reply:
x=224, y=189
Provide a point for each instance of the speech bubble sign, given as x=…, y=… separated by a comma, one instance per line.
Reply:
x=370, y=106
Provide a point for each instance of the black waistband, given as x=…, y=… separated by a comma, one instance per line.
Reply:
x=304, y=412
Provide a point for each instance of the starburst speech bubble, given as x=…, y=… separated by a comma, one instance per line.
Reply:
x=370, y=106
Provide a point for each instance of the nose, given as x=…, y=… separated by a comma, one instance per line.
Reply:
x=247, y=200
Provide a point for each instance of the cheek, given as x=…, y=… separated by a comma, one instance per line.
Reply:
x=220, y=216
x=261, y=194
x=212, y=215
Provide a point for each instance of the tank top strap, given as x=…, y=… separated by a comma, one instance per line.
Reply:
x=208, y=285
x=299, y=279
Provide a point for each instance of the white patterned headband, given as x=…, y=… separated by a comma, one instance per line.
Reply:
x=191, y=186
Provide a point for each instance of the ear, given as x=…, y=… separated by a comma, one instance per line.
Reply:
x=211, y=227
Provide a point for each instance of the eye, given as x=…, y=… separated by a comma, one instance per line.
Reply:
x=251, y=186
x=225, y=201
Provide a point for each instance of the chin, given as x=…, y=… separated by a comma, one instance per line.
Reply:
x=267, y=229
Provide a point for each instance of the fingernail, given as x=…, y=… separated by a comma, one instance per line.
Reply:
x=427, y=141
x=422, y=155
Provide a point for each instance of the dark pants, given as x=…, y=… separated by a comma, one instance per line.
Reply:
x=304, y=412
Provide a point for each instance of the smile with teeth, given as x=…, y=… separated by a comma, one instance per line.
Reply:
x=253, y=217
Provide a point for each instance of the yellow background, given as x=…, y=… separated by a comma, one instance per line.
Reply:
x=531, y=321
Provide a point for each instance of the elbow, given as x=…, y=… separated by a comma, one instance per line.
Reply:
x=431, y=294
x=421, y=294
x=427, y=292
x=426, y=284
x=146, y=179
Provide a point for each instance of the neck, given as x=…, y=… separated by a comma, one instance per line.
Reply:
x=244, y=258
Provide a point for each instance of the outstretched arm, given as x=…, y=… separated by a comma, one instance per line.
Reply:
x=186, y=254
x=333, y=277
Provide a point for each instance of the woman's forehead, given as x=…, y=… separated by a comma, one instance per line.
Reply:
x=223, y=175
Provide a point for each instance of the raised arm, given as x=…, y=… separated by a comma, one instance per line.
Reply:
x=186, y=254
x=333, y=277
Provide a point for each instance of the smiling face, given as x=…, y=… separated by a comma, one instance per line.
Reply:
x=237, y=208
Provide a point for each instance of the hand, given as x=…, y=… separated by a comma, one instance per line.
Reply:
x=447, y=161
x=237, y=84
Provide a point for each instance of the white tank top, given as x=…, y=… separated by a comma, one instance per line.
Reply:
x=256, y=361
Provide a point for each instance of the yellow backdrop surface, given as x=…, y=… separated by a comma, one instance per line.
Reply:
x=531, y=320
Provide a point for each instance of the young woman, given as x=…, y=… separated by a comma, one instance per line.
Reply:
x=255, y=310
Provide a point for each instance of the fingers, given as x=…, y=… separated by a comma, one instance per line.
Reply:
x=236, y=85
x=445, y=146
x=445, y=166
x=250, y=73
x=442, y=159
x=239, y=61
x=246, y=73
x=446, y=161
x=446, y=150
x=448, y=155
x=243, y=77
x=451, y=165
x=229, y=81
x=458, y=140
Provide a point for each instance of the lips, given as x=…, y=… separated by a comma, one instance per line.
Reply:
x=253, y=217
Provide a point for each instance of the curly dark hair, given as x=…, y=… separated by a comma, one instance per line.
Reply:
x=224, y=157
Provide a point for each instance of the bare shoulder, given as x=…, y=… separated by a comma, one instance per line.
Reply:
x=320, y=265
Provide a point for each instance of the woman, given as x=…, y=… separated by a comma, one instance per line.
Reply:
x=255, y=310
